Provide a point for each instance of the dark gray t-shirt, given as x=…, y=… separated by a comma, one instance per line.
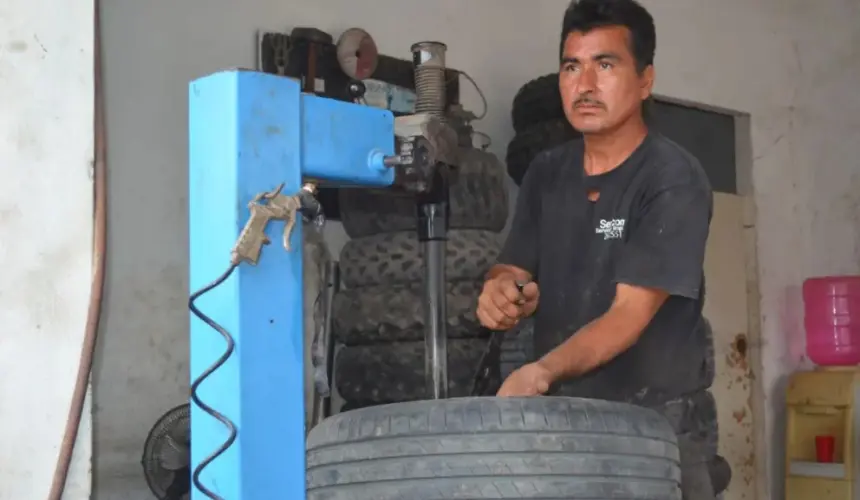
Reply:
x=649, y=227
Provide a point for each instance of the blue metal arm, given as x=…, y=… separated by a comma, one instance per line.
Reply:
x=249, y=133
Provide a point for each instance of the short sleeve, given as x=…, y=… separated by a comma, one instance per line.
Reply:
x=521, y=246
x=666, y=246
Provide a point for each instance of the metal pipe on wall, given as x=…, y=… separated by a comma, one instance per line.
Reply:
x=73, y=423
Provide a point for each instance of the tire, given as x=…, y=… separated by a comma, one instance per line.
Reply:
x=710, y=367
x=517, y=347
x=705, y=425
x=494, y=448
x=527, y=144
x=721, y=474
x=316, y=257
x=395, y=372
x=396, y=258
x=357, y=405
x=537, y=101
x=383, y=314
x=478, y=200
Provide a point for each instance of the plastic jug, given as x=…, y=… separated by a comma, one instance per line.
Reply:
x=832, y=320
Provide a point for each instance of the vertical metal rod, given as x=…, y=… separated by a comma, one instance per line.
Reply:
x=433, y=236
x=435, y=312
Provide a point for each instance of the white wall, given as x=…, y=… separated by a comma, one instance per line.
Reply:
x=46, y=151
x=789, y=64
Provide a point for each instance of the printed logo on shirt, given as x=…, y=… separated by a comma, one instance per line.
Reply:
x=612, y=229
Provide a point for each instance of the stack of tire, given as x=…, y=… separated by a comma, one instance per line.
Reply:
x=539, y=123
x=378, y=313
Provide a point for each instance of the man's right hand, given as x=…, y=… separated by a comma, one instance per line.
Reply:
x=501, y=304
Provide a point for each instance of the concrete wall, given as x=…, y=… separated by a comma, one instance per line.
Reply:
x=46, y=152
x=789, y=64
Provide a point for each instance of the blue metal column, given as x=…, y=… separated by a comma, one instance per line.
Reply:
x=250, y=132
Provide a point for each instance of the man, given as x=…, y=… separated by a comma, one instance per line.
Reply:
x=609, y=238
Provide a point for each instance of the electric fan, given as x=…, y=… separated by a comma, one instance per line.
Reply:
x=167, y=455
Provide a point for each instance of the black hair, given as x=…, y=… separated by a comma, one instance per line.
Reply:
x=586, y=15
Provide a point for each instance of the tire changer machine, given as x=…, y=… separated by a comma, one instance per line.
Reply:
x=259, y=147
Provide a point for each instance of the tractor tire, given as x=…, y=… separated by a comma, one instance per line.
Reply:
x=537, y=101
x=384, y=314
x=494, y=448
x=396, y=258
x=527, y=144
x=384, y=373
x=477, y=200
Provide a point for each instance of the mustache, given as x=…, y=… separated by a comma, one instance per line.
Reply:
x=586, y=100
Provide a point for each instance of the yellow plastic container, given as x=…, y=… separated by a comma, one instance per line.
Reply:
x=823, y=402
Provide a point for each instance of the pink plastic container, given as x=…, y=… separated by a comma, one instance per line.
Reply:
x=832, y=320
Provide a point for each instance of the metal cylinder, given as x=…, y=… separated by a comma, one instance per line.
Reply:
x=435, y=314
x=429, y=61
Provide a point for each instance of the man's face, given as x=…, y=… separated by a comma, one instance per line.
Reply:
x=600, y=87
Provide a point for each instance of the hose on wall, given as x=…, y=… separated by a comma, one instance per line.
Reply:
x=73, y=423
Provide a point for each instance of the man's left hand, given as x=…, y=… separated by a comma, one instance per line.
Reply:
x=530, y=380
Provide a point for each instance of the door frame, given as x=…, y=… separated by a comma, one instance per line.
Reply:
x=754, y=344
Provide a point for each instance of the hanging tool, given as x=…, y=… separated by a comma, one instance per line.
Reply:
x=277, y=207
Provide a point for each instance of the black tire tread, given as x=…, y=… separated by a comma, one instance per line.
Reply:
x=517, y=347
x=382, y=313
x=395, y=372
x=526, y=145
x=537, y=101
x=396, y=258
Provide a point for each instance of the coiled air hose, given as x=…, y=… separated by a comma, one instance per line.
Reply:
x=231, y=427
x=304, y=203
